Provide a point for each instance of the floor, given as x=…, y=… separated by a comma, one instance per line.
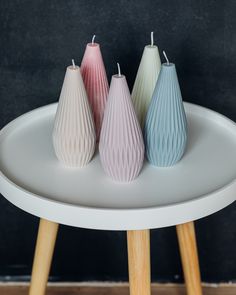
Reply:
x=113, y=289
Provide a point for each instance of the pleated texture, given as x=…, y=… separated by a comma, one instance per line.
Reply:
x=74, y=137
x=166, y=125
x=145, y=81
x=95, y=81
x=121, y=144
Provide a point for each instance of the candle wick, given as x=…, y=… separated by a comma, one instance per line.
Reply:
x=73, y=63
x=118, y=66
x=93, y=39
x=152, y=40
x=166, y=57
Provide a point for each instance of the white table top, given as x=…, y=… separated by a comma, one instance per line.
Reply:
x=203, y=182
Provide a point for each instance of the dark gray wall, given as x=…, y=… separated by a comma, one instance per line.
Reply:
x=37, y=41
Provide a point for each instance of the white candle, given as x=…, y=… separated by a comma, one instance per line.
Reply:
x=74, y=135
x=145, y=81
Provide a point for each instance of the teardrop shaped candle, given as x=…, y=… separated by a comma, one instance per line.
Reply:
x=145, y=81
x=74, y=137
x=121, y=144
x=95, y=81
x=166, y=125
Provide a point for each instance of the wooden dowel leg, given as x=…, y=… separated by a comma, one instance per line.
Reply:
x=47, y=234
x=139, y=262
x=189, y=257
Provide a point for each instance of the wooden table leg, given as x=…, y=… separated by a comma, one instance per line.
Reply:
x=47, y=234
x=139, y=262
x=189, y=257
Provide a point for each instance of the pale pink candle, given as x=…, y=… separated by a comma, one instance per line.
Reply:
x=121, y=144
x=95, y=81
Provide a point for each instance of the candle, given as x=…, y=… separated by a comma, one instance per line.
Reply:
x=95, y=80
x=145, y=81
x=166, y=125
x=74, y=136
x=121, y=144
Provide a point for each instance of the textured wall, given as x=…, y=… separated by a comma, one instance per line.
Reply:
x=37, y=41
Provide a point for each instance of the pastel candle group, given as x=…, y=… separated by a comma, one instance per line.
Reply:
x=88, y=112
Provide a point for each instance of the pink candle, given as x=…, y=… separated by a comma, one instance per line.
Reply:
x=121, y=144
x=95, y=81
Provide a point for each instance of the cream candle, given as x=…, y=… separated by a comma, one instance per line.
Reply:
x=74, y=135
x=95, y=81
x=145, y=81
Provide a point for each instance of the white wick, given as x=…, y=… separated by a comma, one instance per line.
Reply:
x=73, y=63
x=152, y=40
x=93, y=39
x=166, y=57
x=118, y=66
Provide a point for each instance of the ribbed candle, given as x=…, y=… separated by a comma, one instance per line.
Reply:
x=95, y=81
x=121, y=144
x=74, y=135
x=146, y=79
x=166, y=125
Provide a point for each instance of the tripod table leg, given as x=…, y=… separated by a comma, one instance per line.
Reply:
x=47, y=234
x=189, y=257
x=139, y=262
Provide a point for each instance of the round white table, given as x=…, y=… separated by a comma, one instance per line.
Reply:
x=203, y=182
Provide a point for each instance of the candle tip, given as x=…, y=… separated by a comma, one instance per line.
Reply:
x=166, y=57
x=73, y=63
x=93, y=39
x=118, y=66
x=152, y=40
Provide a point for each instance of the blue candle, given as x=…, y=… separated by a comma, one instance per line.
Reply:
x=166, y=125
